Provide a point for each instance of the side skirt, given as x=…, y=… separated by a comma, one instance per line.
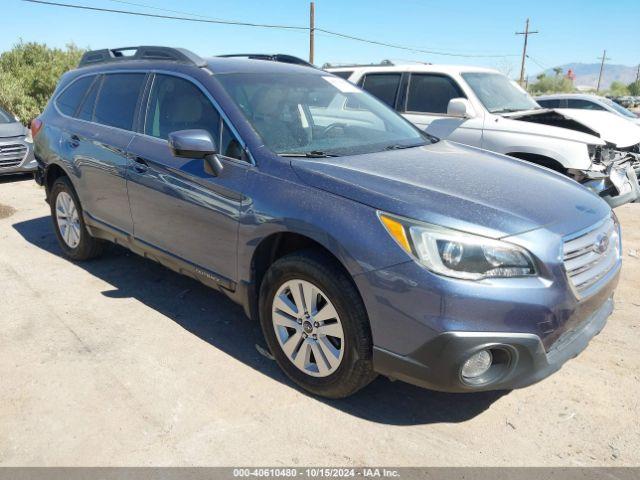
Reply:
x=211, y=279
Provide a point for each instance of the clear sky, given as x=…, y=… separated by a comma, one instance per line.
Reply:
x=570, y=30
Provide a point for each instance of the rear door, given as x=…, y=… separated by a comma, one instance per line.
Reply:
x=425, y=105
x=177, y=207
x=97, y=144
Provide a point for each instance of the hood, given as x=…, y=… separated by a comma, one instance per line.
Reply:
x=15, y=129
x=552, y=125
x=609, y=127
x=458, y=187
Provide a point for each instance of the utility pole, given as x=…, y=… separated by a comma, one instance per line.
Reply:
x=526, y=34
x=312, y=29
x=604, y=57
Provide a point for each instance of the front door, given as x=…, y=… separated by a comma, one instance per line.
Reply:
x=427, y=99
x=178, y=207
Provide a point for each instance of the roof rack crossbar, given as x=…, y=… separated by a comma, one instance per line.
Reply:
x=274, y=57
x=106, y=55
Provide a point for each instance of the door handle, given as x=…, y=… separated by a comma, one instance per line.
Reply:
x=140, y=165
x=74, y=141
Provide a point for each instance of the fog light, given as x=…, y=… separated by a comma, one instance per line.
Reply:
x=477, y=364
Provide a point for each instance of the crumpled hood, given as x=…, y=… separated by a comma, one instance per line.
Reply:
x=458, y=187
x=607, y=126
x=612, y=128
x=12, y=130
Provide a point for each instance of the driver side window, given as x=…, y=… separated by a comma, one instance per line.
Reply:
x=178, y=104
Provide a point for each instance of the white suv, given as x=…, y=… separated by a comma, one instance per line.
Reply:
x=483, y=108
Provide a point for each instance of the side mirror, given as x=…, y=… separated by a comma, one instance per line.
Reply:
x=196, y=144
x=460, y=107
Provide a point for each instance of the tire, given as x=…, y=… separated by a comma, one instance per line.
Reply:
x=74, y=240
x=317, y=370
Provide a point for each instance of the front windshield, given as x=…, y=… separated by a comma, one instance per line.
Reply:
x=498, y=94
x=618, y=108
x=318, y=115
x=5, y=117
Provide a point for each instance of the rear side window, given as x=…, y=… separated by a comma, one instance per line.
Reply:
x=117, y=100
x=384, y=86
x=89, y=103
x=431, y=93
x=69, y=101
x=583, y=104
x=177, y=104
x=552, y=103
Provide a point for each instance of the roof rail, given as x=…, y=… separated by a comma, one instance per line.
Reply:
x=274, y=57
x=383, y=63
x=106, y=55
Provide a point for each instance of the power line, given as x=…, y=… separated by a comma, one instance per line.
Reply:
x=411, y=49
x=166, y=17
x=202, y=19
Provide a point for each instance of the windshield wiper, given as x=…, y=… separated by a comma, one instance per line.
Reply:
x=311, y=154
x=398, y=146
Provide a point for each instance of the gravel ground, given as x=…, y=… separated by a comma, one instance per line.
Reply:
x=122, y=362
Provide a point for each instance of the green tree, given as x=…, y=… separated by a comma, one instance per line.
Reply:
x=547, y=84
x=634, y=88
x=618, y=89
x=29, y=73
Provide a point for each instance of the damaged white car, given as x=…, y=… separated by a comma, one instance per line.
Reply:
x=483, y=108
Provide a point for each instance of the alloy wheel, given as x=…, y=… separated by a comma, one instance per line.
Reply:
x=68, y=219
x=308, y=328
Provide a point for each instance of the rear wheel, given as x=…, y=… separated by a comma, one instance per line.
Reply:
x=71, y=231
x=316, y=326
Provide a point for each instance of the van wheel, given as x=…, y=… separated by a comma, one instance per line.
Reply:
x=316, y=326
x=71, y=231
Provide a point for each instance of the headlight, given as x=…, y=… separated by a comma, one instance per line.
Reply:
x=28, y=137
x=458, y=254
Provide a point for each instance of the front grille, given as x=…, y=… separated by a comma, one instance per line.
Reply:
x=12, y=155
x=590, y=256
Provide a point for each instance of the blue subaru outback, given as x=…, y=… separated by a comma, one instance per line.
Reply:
x=361, y=244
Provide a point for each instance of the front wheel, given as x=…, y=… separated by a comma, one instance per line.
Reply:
x=316, y=326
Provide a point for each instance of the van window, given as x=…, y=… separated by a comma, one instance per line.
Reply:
x=431, y=93
x=117, y=100
x=583, y=104
x=69, y=101
x=383, y=85
x=177, y=104
x=549, y=103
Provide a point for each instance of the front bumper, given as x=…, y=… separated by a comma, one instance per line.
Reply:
x=426, y=326
x=9, y=164
x=521, y=359
x=619, y=185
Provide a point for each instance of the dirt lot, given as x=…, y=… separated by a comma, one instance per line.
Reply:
x=122, y=362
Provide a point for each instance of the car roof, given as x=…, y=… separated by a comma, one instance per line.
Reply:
x=415, y=67
x=216, y=65
x=222, y=65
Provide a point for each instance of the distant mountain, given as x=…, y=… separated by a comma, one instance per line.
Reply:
x=587, y=73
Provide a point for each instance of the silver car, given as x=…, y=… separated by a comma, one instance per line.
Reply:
x=16, y=146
